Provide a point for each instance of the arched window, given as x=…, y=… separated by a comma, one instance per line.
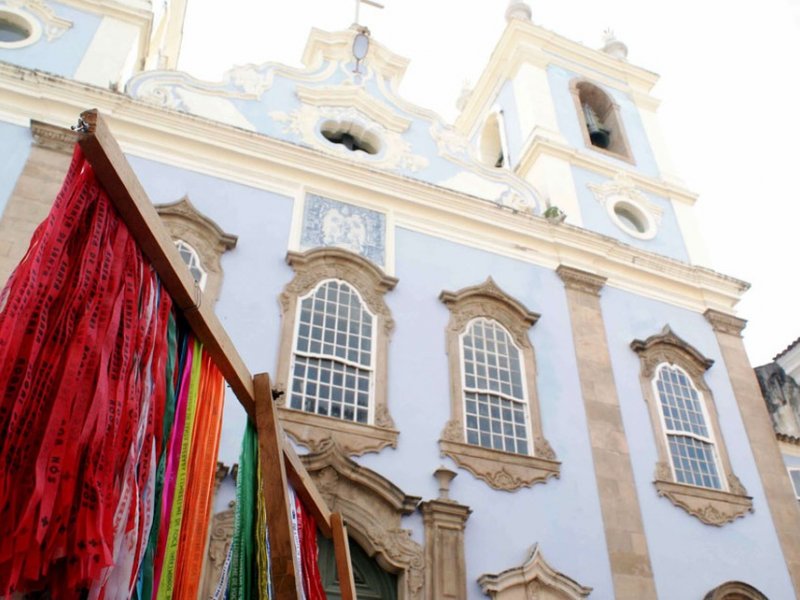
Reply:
x=493, y=148
x=332, y=362
x=735, y=590
x=495, y=401
x=192, y=260
x=693, y=470
x=201, y=243
x=690, y=441
x=600, y=120
x=495, y=430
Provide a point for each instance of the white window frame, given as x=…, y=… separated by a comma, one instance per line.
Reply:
x=320, y=356
x=706, y=421
x=523, y=401
x=179, y=243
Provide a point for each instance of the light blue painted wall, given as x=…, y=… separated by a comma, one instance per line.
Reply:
x=15, y=146
x=63, y=55
x=255, y=271
x=668, y=240
x=570, y=125
x=563, y=515
x=745, y=550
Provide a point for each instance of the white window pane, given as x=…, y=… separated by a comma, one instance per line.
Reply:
x=334, y=346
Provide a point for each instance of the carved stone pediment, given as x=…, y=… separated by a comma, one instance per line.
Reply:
x=533, y=580
x=184, y=222
x=372, y=507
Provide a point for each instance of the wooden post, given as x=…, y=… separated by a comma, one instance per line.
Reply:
x=344, y=566
x=129, y=198
x=279, y=461
x=276, y=493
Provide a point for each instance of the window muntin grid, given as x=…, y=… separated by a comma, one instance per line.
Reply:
x=332, y=367
x=495, y=399
x=192, y=260
x=691, y=445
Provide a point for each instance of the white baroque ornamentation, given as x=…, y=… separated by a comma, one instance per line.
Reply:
x=448, y=141
x=305, y=122
x=53, y=26
x=622, y=192
x=160, y=93
x=251, y=79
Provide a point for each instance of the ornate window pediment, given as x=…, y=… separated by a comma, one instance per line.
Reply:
x=693, y=469
x=333, y=353
x=372, y=507
x=735, y=590
x=206, y=242
x=534, y=579
x=495, y=429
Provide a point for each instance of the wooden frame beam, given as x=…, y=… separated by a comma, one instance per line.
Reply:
x=131, y=201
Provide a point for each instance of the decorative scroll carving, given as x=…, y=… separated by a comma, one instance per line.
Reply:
x=501, y=470
x=315, y=431
x=534, y=580
x=372, y=506
x=312, y=430
x=575, y=279
x=711, y=506
x=218, y=543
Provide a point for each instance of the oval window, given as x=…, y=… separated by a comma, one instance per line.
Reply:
x=17, y=29
x=351, y=136
x=631, y=218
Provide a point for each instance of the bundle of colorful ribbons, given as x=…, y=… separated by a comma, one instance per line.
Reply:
x=246, y=573
x=110, y=415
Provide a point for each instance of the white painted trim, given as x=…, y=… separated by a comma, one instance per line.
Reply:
x=666, y=433
x=245, y=157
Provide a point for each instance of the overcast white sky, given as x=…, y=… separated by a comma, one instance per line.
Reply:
x=730, y=86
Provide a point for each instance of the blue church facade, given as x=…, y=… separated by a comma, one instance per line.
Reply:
x=496, y=345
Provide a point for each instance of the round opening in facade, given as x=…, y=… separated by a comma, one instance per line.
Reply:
x=14, y=28
x=351, y=135
x=631, y=217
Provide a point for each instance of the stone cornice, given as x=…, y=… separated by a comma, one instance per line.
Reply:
x=576, y=279
x=523, y=42
x=725, y=323
x=538, y=146
x=229, y=153
x=55, y=138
